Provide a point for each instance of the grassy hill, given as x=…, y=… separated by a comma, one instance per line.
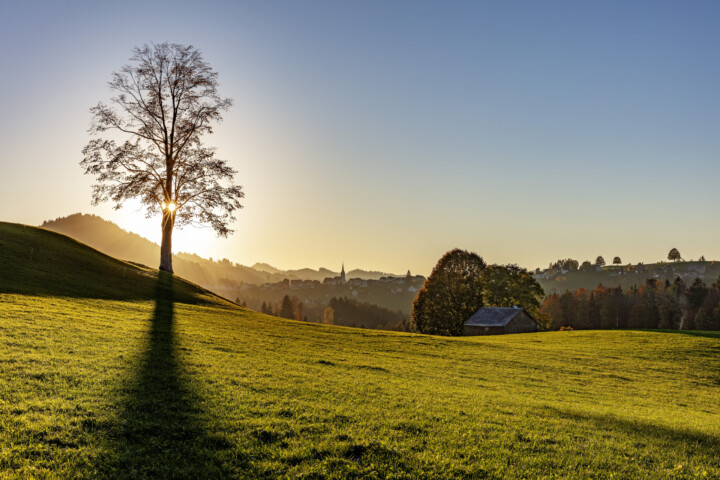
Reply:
x=108, y=370
x=41, y=262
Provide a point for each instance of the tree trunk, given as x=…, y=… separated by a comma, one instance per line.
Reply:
x=168, y=222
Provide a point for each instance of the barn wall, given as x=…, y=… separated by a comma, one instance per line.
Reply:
x=522, y=324
x=472, y=330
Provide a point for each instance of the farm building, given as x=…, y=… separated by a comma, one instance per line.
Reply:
x=497, y=321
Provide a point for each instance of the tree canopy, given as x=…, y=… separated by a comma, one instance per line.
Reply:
x=451, y=294
x=674, y=255
x=587, y=266
x=510, y=285
x=566, y=264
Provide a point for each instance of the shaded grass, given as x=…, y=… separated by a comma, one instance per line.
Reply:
x=159, y=430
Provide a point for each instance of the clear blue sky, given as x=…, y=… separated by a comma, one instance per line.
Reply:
x=384, y=133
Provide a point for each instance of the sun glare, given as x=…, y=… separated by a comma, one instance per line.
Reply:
x=170, y=206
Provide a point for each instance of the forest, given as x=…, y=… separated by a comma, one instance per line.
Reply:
x=343, y=311
x=653, y=305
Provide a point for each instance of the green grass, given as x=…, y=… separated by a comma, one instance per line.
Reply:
x=184, y=385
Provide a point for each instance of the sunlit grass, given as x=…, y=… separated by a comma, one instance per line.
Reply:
x=116, y=372
x=89, y=387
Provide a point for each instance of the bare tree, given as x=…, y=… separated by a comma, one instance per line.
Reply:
x=165, y=100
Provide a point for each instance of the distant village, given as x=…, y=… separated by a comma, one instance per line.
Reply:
x=394, y=293
x=400, y=284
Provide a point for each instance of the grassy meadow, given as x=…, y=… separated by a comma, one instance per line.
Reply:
x=116, y=372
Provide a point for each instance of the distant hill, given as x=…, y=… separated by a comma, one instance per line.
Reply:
x=626, y=276
x=214, y=275
x=264, y=267
x=111, y=239
x=320, y=274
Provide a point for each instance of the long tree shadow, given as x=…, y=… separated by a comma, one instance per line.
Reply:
x=161, y=432
x=690, y=440
x=692, y=333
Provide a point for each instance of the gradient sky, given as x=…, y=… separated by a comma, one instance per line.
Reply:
x=383, y=134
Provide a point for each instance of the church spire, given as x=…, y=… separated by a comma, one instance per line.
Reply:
x=342, y=273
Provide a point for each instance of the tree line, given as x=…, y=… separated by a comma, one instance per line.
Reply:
x=573, y=265
x=351, y=313
x=290, y=307
x=341, y=311
x=653, y=305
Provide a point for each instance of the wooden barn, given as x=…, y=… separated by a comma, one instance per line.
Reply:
x=498, y=321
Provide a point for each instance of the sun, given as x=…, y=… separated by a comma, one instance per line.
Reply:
x=171, y=206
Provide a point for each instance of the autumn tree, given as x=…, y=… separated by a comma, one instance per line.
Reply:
x=674, y=255
x=451, y=294
x=328, y=316
x=583, y=318
x=599, y=261
x=617, y=261
x=551, y=312
x=150, y=143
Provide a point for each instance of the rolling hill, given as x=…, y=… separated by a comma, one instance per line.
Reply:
x=109, y=370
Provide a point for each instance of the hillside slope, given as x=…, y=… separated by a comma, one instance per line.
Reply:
x=166, y=384
x=41, y=262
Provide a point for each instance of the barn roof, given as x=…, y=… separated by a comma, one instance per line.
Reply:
x=493, y=316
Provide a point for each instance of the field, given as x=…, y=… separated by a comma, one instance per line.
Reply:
x=116, y=372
